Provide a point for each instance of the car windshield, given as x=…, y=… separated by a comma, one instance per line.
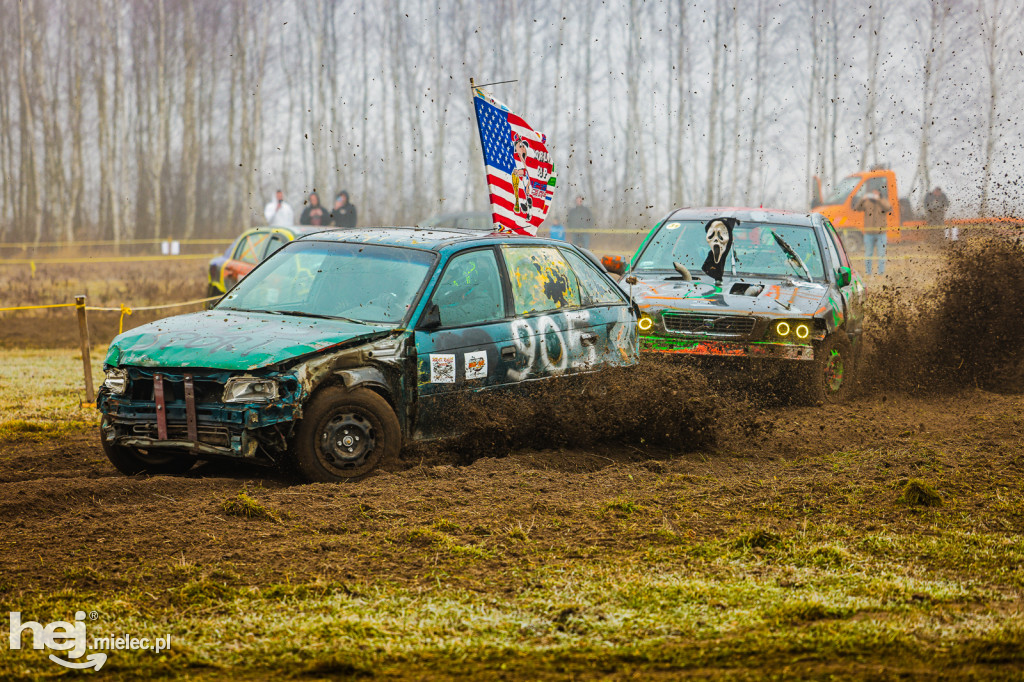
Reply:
x=754, y=251
x=843, y=189
x=359, y=282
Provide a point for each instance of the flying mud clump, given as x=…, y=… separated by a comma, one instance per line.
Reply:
x=658, y=403
x=968, y=330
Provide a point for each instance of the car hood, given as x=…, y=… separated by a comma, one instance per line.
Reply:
x=779, y=297
x=232, y=340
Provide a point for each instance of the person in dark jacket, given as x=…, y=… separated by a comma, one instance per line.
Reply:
x=344, y=213
x=935, y=205
x=579, y=224
x=314, y=214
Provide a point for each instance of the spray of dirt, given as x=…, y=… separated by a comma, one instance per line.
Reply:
x=967, y=330
x=658, y=403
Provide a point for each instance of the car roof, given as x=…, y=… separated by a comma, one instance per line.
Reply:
x=429, y=238
x=754, y=215
x=297, y=230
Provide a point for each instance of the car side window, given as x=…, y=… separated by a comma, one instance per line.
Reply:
x=250, y=248
x=274, y=242
x=837, y=244
x=470, y=290
x=541, y=279
x=594, y=288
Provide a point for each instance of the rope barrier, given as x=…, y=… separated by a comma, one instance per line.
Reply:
x=109, y=242
x=126, y=310
x=39, y=307
x=112, y=259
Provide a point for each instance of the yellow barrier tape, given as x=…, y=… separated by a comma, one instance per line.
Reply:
x=99, y=259
x=151, y=307
x=39, y=307
x=109, y=242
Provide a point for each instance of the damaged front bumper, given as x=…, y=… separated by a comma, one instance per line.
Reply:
x=726, y=349
x=185, y=411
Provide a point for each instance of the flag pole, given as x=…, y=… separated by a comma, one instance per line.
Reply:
x=483, y=154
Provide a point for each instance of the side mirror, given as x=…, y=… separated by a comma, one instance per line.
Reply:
x=843, y=277
x=614, y=264
x=431, y=318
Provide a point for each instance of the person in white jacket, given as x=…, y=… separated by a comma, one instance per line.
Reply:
x=279, y=212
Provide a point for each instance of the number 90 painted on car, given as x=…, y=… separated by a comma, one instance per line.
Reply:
x=342, y=345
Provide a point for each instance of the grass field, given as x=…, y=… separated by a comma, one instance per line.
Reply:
x=800, y=548
x=882, y=540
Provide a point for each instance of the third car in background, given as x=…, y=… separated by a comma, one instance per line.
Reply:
x=246, y=252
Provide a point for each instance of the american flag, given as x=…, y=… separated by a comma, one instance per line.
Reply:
x=520, y=174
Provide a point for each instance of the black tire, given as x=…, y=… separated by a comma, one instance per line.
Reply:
x=345, y=434
x=132, y=461
x=828, y=379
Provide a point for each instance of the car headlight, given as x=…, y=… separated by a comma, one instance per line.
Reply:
x=644, y=323
x=249, y=390
x=800, y=330
x=116, y=381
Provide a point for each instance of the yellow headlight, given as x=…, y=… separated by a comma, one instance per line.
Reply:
x=782, y=328
x=645, y=323
x=802, y=331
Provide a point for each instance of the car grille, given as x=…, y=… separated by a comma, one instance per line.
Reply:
x=206, y=390
x=213, y=435
x=732, y=326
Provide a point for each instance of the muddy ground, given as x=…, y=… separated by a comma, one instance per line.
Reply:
x=62, y=499
x=73, y=526
x=500, y=521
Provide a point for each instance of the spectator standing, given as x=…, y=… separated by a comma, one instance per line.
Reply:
x=279, y=212
x=579, y=223
x=935, y=205
x=314, y=213
x=344, y=212
x=557, y=229
x=876, y=209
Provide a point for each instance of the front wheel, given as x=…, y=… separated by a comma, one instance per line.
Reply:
x=130, y=461
x=829, y=377
x=345, y=435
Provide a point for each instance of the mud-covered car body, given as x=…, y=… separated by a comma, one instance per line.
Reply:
x=419, y=317
x=766, y=306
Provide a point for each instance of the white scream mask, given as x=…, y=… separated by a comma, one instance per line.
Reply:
x=718, y=238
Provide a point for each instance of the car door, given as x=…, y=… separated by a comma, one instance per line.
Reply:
x=853, y=292
x=554, y=332
x=608, y=311
x=463, y=340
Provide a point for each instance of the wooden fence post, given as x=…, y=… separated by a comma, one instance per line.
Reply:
x=83, y=331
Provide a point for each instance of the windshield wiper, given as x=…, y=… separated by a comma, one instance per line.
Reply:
x=299, y=313
x=792, y=255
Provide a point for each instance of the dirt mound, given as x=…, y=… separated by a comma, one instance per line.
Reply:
x=964, y=331
x=658, y=403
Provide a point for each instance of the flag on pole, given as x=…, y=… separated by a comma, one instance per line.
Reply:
x=520, y=174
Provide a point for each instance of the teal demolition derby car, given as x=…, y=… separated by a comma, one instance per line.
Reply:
x=754, y=289
x=342, y=344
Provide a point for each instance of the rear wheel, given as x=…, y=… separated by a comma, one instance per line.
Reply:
x=345, y=435
x=829, y=377
x=131, y=461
